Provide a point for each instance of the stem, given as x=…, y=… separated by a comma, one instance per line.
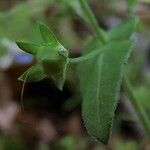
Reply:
x=137, y=106
x=92, y=20
x=85, y=57
x=98, y=31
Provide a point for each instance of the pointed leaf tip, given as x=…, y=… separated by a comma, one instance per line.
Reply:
x=33, y=74
x=28, y=47
x=47, y=35
x=124, y=30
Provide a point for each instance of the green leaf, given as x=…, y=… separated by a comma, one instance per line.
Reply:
x=28, y=47
x=100, y=80
x=47, y=35
x=124, y=30
x=34, y=74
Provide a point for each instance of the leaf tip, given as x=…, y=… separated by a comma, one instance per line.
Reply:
x=30, y=48
x=19, y=44
x=20, y=78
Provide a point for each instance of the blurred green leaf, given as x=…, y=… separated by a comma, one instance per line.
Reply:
x=35, y=73
x=28, y=47
x=124, y=30
x=19, y=22
x=47, y=35
x=100, y=87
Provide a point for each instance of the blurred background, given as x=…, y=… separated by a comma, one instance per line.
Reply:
x=51, y=119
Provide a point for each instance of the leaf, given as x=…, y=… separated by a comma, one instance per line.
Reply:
x=34, y=74
x=18, y=22
x=28, y=47
x=124, y=30
x=47, y=35
x=100, y=80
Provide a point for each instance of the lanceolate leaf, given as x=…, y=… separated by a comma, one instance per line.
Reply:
x=28, y=47
x=35, y=73
x=100, y=80
x=47, y=35
x=124, y=30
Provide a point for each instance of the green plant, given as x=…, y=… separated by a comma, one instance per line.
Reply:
x=100, y=70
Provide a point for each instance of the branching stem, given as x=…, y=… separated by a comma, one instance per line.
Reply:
x=92, y=20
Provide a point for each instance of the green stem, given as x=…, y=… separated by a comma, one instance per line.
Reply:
x=85, y=57
x=99, y=32
x=137, y=106
x=92, y=20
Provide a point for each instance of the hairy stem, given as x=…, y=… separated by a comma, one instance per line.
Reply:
x=99, y=32
x=92, y=20
x=85, y=57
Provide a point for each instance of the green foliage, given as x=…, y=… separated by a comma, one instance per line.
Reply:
x=124, y=30
x=100, y=87
x=100, y=78
x=18, y=22
x=100, y=69
x=47, y=35
x=34, y=74
x=28, y=47
x=51, y=57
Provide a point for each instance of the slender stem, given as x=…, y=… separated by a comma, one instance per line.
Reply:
x=137, y=106
x=92, y=20
x=79, y=59
x=98, y=31
x=85, y=57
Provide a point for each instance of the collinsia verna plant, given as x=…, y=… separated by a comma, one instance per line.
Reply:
x=100, y=70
